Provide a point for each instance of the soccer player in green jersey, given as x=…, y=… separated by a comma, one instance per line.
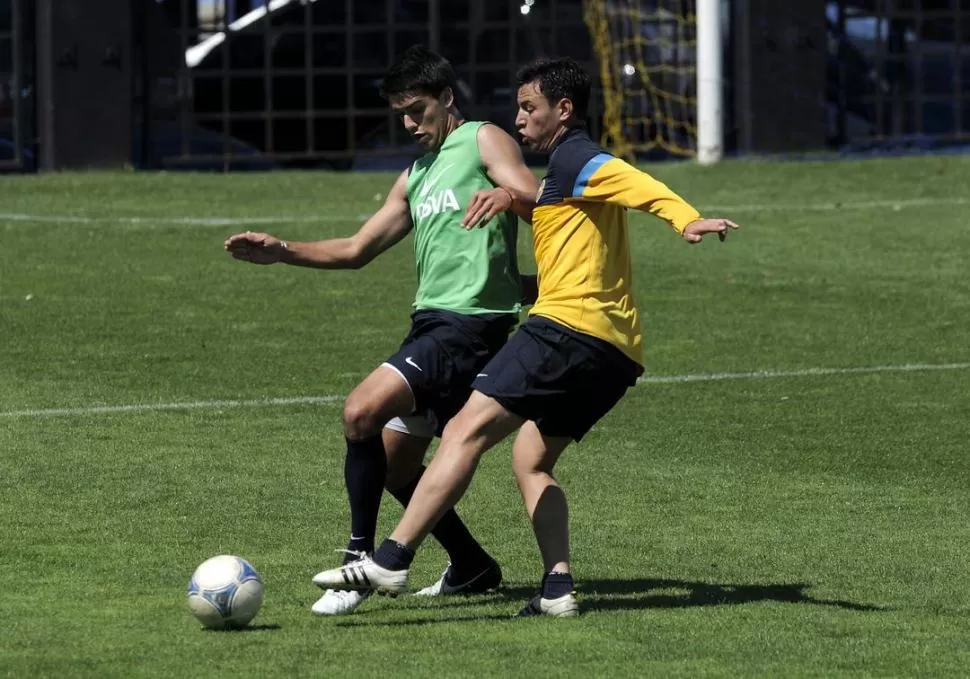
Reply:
x=460, y=199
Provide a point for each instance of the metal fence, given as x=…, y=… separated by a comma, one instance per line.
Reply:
x=899, y=71
x=14, y=87
x=295, y=83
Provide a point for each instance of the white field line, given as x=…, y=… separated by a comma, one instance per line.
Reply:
x=805, y=372
x=327, y=400
x=331, y=218
x=836, y=206
x=186, y=405
x=176, y=221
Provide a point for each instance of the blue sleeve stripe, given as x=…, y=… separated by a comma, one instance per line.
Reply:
x=589, y=169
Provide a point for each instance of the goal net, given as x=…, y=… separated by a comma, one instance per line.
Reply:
x=647, y=57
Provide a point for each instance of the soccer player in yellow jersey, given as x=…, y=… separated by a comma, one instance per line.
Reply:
x=575, y=357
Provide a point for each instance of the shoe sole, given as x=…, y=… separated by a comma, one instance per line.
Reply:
x=347, y=611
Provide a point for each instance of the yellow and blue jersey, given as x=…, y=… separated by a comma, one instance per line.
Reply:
x=579, y=230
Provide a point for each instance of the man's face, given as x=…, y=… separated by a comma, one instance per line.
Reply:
x=423, y=117
x=537, y=121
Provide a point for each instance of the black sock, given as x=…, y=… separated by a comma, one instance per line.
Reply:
x=393, y=555
x=555, y=585
x=451, y=532
x=365, y=470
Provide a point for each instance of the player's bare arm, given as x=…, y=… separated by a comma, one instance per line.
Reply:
x=388, y=226
x=517, y=186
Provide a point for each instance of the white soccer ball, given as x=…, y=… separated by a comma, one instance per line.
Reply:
x=225, y=592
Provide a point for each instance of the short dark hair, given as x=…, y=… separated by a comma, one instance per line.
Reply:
x=419, y=71
x=559, y=79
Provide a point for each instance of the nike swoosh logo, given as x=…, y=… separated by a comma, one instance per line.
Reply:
x=430, y=183
x=452, y=589
x=410, y=362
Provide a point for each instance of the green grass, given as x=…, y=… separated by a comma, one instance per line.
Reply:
x=810, y=526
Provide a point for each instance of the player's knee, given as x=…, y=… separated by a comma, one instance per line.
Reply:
x=460, y=430
x=526, y=464
x=360, y=418
x=523, y=468
x=464, y=439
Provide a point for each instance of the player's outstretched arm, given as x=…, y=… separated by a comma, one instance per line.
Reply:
x=517, y=186
x=386, y=227
x=613, y=180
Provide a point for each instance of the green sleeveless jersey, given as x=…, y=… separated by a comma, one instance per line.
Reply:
x=467, y=272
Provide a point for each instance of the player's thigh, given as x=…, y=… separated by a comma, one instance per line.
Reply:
x=380, y=396
x=535, y=452
x=480, y=424
x=405, y=454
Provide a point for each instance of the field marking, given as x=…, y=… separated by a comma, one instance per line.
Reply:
x=24, y=217
x=847, y=205
x=187, y=405
x=328, y=400
x=176, y=221
x=806, y=372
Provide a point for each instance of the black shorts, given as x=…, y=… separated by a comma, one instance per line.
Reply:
x=441, y=356
x=562, y=380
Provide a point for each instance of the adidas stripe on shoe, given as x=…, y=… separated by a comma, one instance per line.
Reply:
x=363, y=575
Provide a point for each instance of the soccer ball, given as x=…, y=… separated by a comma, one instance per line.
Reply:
x=225, y=592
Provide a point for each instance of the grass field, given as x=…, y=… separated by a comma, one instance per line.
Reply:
x=767, y=511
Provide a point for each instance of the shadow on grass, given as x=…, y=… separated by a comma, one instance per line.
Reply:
x=635, y=594
x=436, y=620
x=643, y=593
x=248, y=628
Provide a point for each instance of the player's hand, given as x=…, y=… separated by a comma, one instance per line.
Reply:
x=258, y=248
x=699, y=228
x=485, y=205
